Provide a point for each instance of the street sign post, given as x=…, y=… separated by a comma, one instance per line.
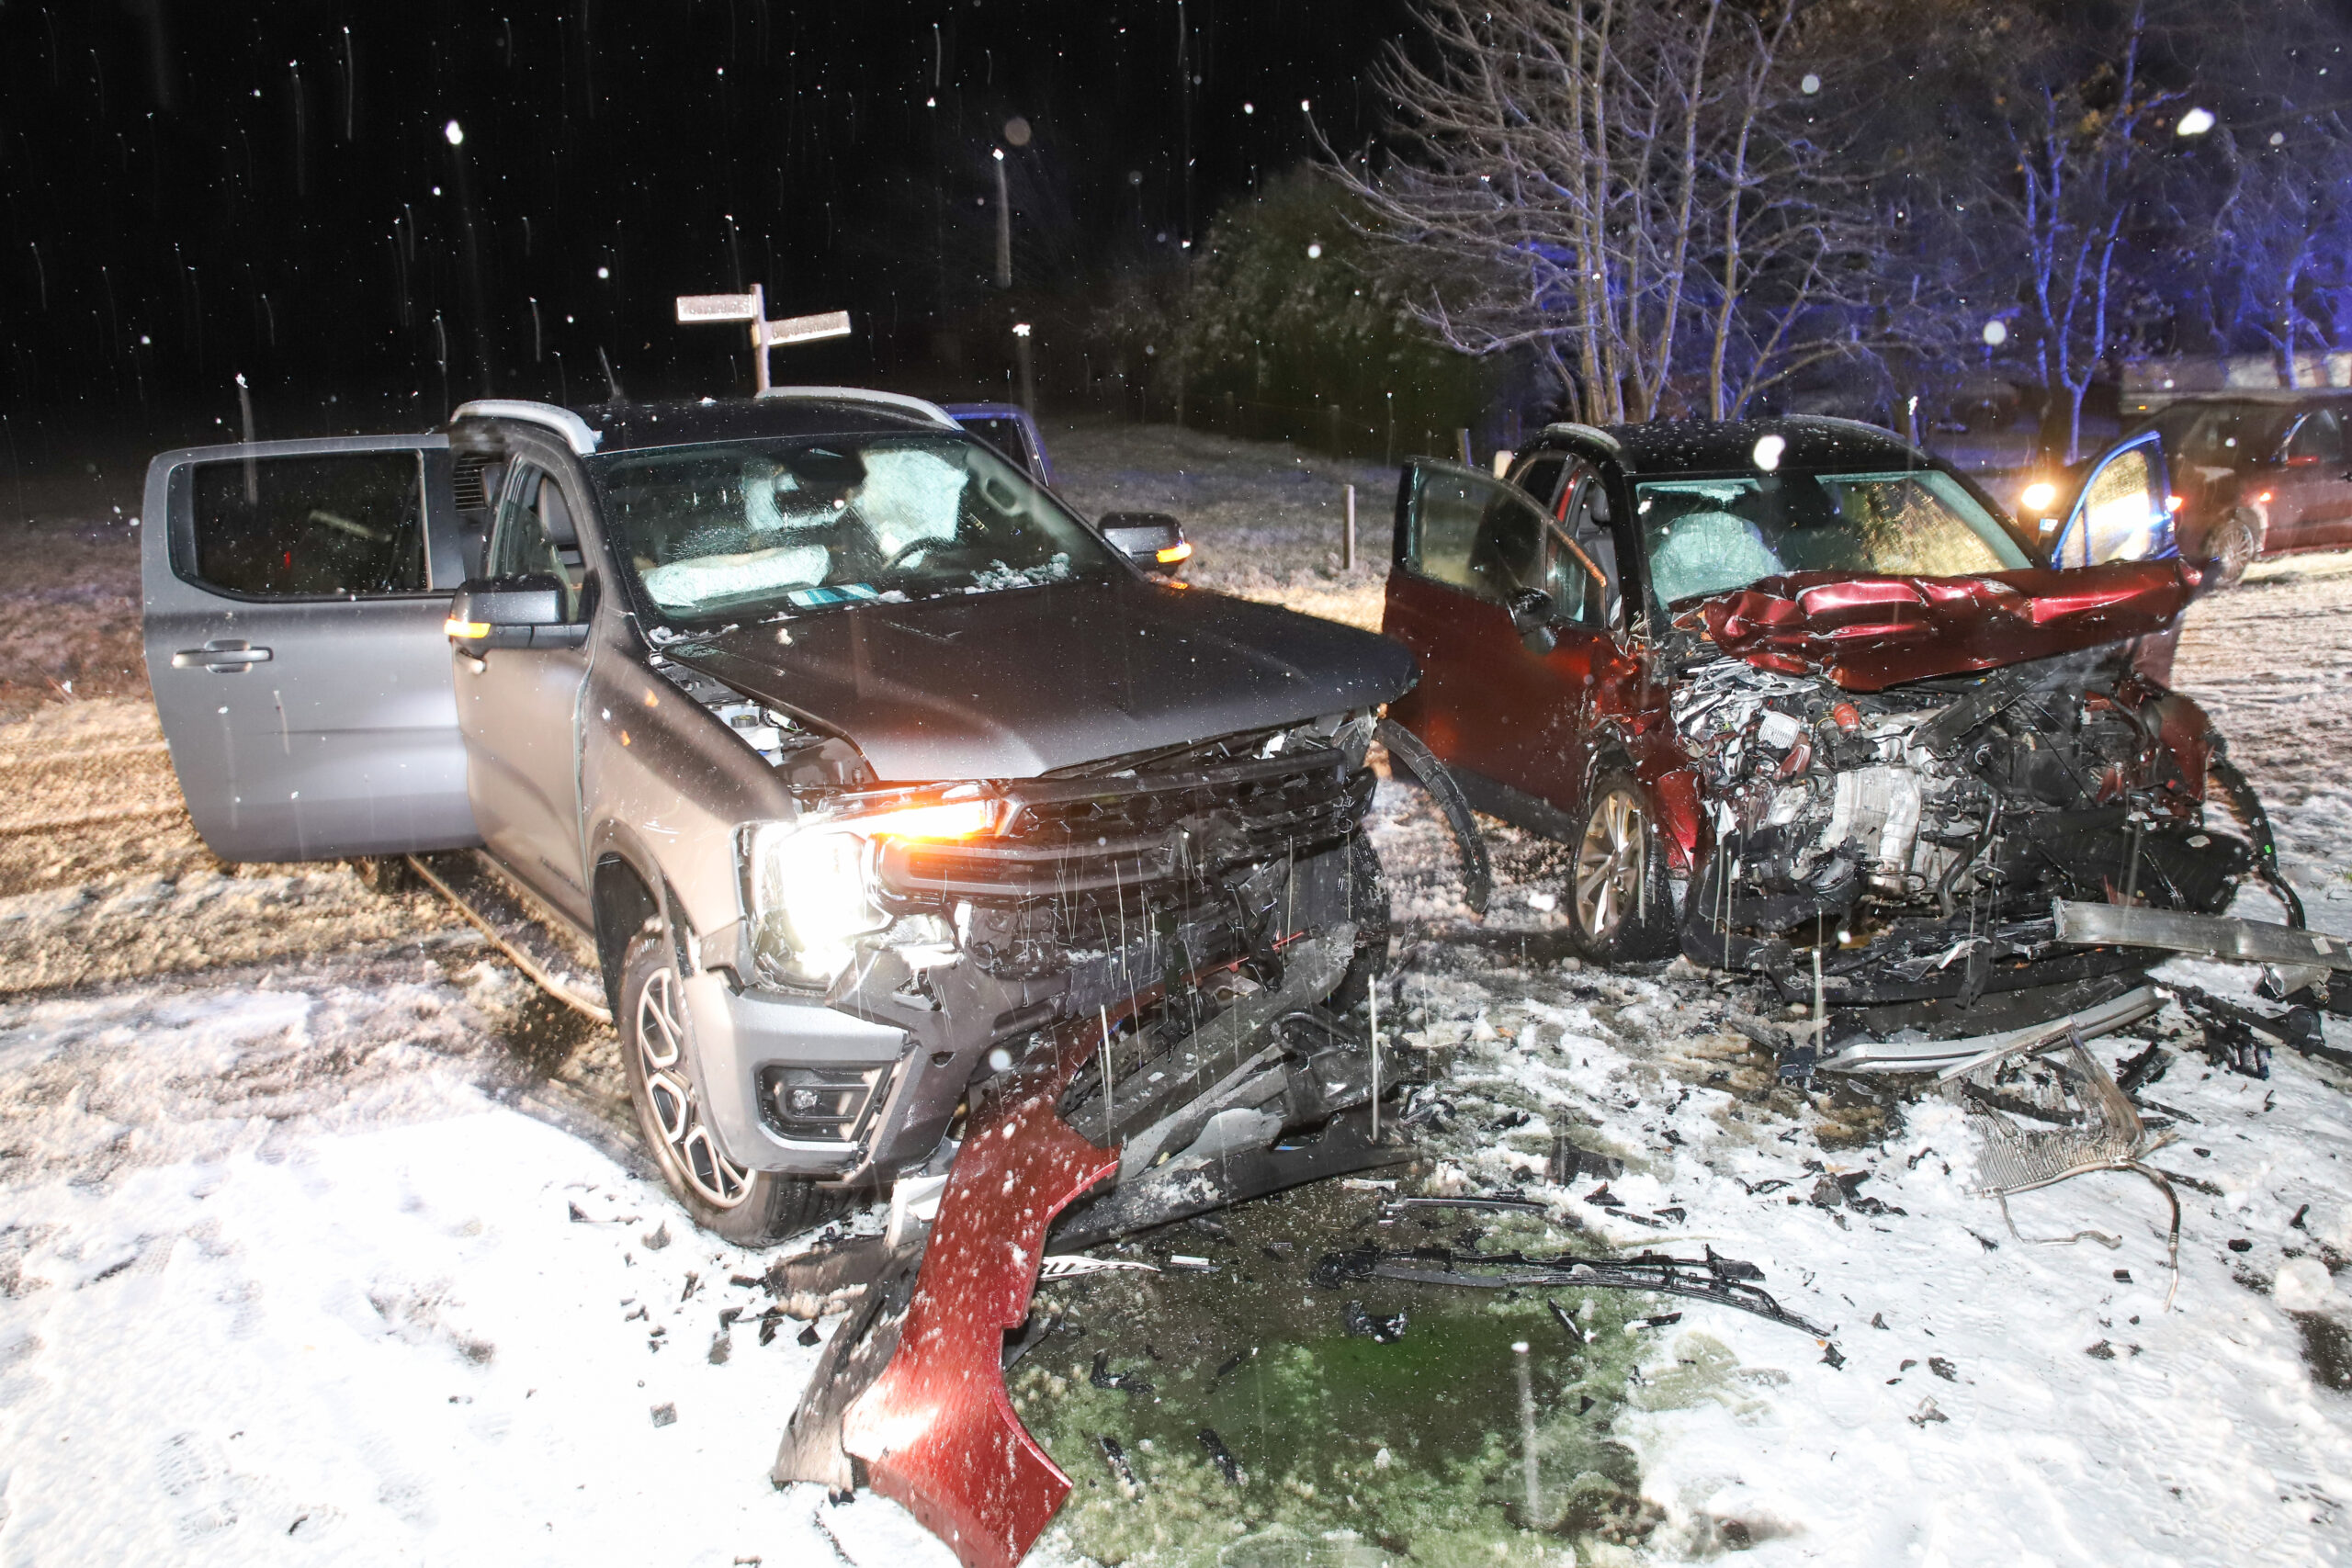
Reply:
x=696, y=309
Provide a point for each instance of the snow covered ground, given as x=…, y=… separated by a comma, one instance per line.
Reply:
x=321, y=1241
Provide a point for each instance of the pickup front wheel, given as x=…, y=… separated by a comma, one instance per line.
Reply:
x=750, y=1207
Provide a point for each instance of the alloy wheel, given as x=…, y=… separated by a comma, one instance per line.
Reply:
x=660, y=1054
x=1610, y=862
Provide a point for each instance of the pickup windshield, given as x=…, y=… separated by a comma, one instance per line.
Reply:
x=748, y=528
x=1710, y=535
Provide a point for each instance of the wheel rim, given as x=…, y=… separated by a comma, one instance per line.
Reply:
x=1610, y=862
x=670, y=1096
x=2237, y=549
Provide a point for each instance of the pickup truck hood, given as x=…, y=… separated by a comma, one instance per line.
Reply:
x=1022, y=681
x=1870, y=633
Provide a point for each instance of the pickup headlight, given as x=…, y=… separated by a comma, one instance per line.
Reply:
x=809, y=886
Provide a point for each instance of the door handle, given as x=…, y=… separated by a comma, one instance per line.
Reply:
x=221, y=656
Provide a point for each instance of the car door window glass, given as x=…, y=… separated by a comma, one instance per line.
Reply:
x=334, y=525
x=534, y=534
x=2318, y=439
x=1576, y=594
x=1540, y=480
x=2120, y=515
x=1476, y=533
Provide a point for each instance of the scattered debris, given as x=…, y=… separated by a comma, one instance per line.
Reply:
x=1120, y=1470
x=665, y=1414
x=1379, y=1330
x=2095, y=1128
x=1927, y=1412
x=1125, y=1383
x=1076, y=1264
x=1726, y=1281
x=1222, y=1457
x=658, y=1238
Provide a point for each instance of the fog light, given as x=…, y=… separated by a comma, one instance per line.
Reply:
x=828, y=1105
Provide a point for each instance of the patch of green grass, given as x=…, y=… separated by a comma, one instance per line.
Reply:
x=1351, y=1452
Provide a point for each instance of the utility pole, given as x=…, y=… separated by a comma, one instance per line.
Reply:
x=1003, y=226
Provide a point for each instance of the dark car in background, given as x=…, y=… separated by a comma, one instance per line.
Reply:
x=2258, y=474
x=1153, y=540
x=1009, y=428
x=1820, y=677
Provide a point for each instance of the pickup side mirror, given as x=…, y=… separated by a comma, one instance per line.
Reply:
x=1153, y=540
x=1532, y=613
x=512, y=612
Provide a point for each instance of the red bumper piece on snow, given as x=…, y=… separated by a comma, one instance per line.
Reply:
x=936, y=1429
x=1869, y=633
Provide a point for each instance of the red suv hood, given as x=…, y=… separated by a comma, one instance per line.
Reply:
x=1869, y=633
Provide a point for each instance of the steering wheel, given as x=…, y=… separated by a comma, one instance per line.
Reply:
x=912, y=548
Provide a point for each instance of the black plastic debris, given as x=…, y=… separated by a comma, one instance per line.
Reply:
x=1365, y=1326
x=1660, y=1320
x=1116, y=1456
x=2124, y=1276
x=2142, y=1069
x=1221, y=1456
x=807, y=1335
x=2102, y=1351
x=1943, y=1368
x=1830, y=1355
x=2240, y=1244
x=1125, y=1382
x=2239, y=1033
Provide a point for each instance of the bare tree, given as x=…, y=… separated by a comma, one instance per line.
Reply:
x=1631, y=189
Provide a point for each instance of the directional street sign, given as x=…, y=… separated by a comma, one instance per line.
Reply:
x=720, y=307
x=808, y=329
x=751, y=307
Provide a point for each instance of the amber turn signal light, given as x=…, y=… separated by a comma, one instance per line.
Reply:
x=1182, y=550
x=469, y=631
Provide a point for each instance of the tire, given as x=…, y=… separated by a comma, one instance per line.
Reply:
x=2234, y=546
x=750, y=1208
x=1368, y=907
x=1620, y=903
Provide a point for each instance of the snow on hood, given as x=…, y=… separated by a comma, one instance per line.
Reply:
x=1869, y=633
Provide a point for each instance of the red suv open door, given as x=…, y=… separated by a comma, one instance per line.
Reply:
x=1506, y=595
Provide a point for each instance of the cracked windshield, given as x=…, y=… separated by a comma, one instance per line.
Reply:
x=1176, y=784
x=737, y=529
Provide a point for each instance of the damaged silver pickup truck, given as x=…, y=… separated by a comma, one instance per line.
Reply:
x=858, y=755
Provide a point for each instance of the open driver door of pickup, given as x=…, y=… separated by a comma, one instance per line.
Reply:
x=294, y=595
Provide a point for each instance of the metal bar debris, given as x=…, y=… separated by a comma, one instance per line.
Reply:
x=1938, y=1055
x=2207, y=936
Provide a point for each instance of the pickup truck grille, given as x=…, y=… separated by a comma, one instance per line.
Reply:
x=1079, y=835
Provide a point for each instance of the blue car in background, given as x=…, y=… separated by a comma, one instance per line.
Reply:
x=1153, y=540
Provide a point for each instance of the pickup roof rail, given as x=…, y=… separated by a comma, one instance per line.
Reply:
x=563, y=421
x=931, y=412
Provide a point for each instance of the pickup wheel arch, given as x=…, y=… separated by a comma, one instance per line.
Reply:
x=624, y=902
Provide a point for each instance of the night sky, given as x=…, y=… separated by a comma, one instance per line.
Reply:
x=191, y=191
